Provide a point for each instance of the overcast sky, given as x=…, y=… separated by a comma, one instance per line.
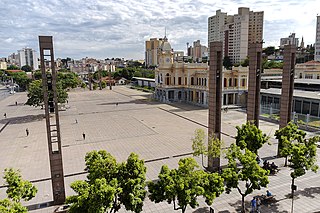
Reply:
x=119, y=28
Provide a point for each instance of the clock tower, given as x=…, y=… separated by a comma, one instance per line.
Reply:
x=165, y=54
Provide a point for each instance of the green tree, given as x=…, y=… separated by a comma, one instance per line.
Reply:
x=245, y=62
x=103, y=84
x=247, y=177
x=286, y=136
x=26, y=68
x=12, y=67
x=199, y=148
x=18, y=189
x=269, y=50
x=21, y=79
x=110, y=184
x=183, y=185
x=83, y=85
x=227, y=62
x=251, y=137
x=68, y=79
x=35, y=93
x=95, y=86
x=303, y=157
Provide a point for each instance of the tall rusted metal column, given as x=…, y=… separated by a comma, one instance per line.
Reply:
x=50, y=98
x=289, y=61
x=254, y=84
x=215, y=94
x=109, y=75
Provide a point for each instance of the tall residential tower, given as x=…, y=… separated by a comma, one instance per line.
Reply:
x=28, y=56
x=236, y=32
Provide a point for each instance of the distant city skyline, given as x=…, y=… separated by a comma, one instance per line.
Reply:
x=116, y=28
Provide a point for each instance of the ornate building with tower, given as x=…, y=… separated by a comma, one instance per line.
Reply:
x=179, y=81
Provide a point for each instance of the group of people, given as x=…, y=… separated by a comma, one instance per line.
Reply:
x=273, y=168
x=256, y=201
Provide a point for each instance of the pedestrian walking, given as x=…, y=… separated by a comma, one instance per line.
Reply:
x=84, y=136
x=16, y=103
x=258, y=204
x=27, y=131
x=117, y=104
x=76, y=121
x=253, y=204
x=5, y=115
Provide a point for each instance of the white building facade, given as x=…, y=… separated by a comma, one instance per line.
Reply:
x=28, y=56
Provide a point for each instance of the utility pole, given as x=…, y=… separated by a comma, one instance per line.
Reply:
x=100, y=85
x=110, y=77
x=50, y=98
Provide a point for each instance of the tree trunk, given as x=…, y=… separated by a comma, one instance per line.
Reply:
x=202, y=161
x=242, y=205
x=286, y=161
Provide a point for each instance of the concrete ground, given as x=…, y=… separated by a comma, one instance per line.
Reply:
x=137, y=124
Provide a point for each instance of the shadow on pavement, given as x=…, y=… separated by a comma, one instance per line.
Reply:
x=237, y=205
x=135, y=101
x=23, y=119
x=202, y=210
x=307, y=192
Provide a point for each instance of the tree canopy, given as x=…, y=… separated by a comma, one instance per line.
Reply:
x=227, y=62
x=110, y=184
x=26, y=68
x=183, y=185
x=18, y=189
x=247, y=177
x=251, y=137
x=286, y=136
x=213, y=149
x=35, y=93
x=21, y=79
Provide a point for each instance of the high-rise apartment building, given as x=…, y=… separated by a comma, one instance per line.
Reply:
x=28, y=56
x=317, y=44
x=197, y=51
x=290, y=40
x=151, y=54
x=236, y=32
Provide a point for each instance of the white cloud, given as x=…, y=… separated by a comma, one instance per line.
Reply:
x=118, y=28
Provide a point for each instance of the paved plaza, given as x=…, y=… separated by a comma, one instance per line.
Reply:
x=159, y=133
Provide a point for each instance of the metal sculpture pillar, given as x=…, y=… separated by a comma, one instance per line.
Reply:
x=50, y=98
x=289, y=61
x=215, y=94
x=254, y=84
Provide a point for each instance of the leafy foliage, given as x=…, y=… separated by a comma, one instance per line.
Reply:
x=110, y=184
x=272, y=64
x=269, y=50
x=249, y=174
x=185, y=184
x=68, y=79
x=18, y=189
x=26, y=68
x=8, y=206
x=250, y=137
x=12, y=67
x=227, y=62
x=35, y=93
x=199, y=148
x=245, y=62
x=21, y=79
x=303, y=157
x=286, y=136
